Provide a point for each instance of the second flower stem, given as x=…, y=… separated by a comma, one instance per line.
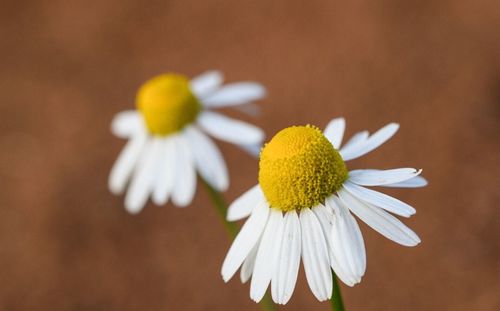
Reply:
x=336, y=300
x=221, y=207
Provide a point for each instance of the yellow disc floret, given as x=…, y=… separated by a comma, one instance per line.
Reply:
x=167, y=104
x=300, y=168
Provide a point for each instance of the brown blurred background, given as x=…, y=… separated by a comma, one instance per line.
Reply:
x=68, y=66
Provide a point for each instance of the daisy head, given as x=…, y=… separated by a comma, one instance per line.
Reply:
x=302, y=209
x=168, y=142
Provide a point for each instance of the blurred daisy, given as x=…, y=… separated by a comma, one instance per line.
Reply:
x=302, y=207
x=167, y=141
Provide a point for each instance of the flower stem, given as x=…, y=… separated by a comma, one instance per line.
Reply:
x=336, y=300
x=220, y=205
x=267, y=303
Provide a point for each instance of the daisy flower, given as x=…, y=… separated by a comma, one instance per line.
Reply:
x=167, y=142
x=303, y=206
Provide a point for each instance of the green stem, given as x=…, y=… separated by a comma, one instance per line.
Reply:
x=336, y=300
x=220, y=205
x=267, y=303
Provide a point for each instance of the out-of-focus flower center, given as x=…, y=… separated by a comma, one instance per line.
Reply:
x=167, y=104
x=300, y=168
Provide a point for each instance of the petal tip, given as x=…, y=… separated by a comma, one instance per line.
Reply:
x=394, y=125
x=133, y=209
x=225, y=278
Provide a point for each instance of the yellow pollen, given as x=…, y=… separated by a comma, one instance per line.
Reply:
x=167, y=104
x=300, y=168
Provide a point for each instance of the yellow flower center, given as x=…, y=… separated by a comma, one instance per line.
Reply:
x=299, y=168
x=167, y=104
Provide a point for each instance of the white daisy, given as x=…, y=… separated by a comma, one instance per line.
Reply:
x=302, y=208
x=167, y=142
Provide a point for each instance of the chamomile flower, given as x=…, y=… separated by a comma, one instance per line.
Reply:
x=167, y=142
x=302, y=208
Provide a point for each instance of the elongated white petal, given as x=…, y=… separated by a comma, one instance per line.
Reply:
x=382, y=177
x=208, y=159
x=144, y=177
x=267, y=255
x=253, y=150
x=230, y=130
x=185, y=174
x=315, y=256
x=381, y=221
x=251, y=109
x=126, y=161
x=354, y=143
x=206, y=83
x=415, y=182
x=126, y=123
x=348, y=246
x=249, y=263
x=334, y=131
x=245, y=240
x=244, y=205
x=285, y=274
x=372, y=143
x=326, y=217
x=235, y=94
x=381, y=200
x=165, y=178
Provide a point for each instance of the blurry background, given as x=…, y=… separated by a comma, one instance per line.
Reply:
x=67, y=67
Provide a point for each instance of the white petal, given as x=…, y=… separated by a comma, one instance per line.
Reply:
x=253, y=150
x=230, y=130
x=267, y=255
x=335, y=132
x=249, y=263
x=315, y=256
x=415, y=182
x=251, y=109
x=185, y=174
x=285, y=276
x=143, y=180
x=208, y=159
x=206, y=83
x=382, y=177
x=126, y=123
x=126, y=161
x=326, y=217
x=235, y=94
x=372, y=143
x=166, y=171
x=381, y=200
x=381, y=221
x=348, y=246
x=354, y=143
x=244, y=205
x=245, y=240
